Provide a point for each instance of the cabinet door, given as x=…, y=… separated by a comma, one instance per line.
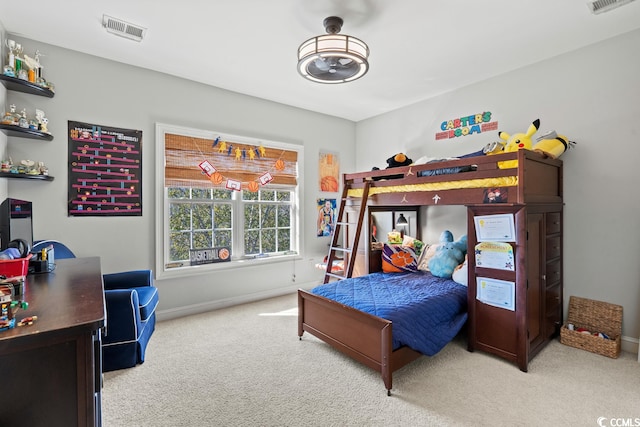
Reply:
x=553, y=273
x=535, y=285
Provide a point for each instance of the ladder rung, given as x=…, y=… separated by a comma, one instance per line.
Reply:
x=346, y=223
x=336, y=276
x=335, y=248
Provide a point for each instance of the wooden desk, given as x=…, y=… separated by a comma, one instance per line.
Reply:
x=51, y=371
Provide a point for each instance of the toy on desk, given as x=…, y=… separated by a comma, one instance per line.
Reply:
x=9, y=308
x=27, y=321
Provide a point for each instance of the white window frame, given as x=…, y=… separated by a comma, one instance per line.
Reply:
x=162, y=207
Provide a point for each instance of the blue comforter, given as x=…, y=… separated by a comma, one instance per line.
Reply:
x=427, y=311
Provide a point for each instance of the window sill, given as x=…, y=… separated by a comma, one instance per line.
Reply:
x=198, y=270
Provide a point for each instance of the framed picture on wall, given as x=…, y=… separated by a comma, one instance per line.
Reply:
x=105, y=170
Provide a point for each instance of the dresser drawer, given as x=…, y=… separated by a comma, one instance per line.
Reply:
x=553, y=247
x=553, y=272
x=552, y=301
x=553, y=222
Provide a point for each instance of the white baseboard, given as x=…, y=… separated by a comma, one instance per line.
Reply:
x=630, y=345
x=174, y=313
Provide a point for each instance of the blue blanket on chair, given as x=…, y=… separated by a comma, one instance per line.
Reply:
x=427, y=311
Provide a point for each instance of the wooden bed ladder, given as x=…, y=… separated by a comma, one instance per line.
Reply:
x=351, y=230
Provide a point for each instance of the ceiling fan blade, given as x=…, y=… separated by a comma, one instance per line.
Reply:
x=321, y=64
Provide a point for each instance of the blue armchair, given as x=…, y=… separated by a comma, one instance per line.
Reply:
x=60, y=250
x=131, y=299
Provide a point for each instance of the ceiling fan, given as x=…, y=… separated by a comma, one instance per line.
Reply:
x=333, y=58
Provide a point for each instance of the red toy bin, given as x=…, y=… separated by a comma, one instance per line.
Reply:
x=15, y=267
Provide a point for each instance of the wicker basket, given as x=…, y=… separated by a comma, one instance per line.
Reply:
x=595, y=316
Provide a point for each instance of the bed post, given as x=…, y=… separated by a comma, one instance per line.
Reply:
x=385, y=362
x=300, y=315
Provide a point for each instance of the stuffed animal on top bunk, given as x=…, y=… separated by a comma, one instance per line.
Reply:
x=448, y=255
x=394, y=161
x=552, y=145
x=517, y=141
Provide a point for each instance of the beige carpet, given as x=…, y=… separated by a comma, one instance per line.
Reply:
x=244, y=366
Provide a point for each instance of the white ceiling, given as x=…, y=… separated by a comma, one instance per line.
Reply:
x=419, y=48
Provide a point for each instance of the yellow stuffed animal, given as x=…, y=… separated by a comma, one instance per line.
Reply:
x=517, y=142
x=552, y=145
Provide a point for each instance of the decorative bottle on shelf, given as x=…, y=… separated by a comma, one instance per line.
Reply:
x=22, y=121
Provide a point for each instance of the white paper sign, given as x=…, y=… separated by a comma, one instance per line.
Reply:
x=496, y=255
x=497, y=293
x=495, y=228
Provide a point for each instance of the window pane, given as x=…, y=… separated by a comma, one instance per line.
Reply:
x=222, y=238
x=249, y=195
x=178, y=193
x=252, y=242
x=202, y=216
x=251, y=216
x=284, y=240
x=269, y=241
x=202, y=240
x=284, y=216
x=180, y=217
x=222, y=194
x=268, y=216
x=179, y=245
x=283, y=196
x=222, y=215
x=199, y=193
x=267, y=195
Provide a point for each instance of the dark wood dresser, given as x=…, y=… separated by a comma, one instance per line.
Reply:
x=51, y=371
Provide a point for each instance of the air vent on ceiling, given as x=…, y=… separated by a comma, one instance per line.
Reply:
x=601, y=6
x=122, y=28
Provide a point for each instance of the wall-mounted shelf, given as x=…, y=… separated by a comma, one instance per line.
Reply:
x=13, y=130
x=19, y=85
x=25, y=176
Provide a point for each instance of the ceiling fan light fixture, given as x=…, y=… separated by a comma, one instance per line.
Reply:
x=333, y=58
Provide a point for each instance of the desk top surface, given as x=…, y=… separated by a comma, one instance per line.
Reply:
x=68, y=298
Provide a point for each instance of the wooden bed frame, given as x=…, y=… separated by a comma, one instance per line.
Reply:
x=362, y=336
x=367, y=338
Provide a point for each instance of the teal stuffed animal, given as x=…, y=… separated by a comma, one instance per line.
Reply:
x=448, y=255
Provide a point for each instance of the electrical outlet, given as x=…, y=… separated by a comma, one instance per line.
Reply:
x=293, y=278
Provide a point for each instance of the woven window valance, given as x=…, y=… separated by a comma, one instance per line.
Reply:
x=240, y=162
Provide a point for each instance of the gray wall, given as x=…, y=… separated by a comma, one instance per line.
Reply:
x=591, y=95
x=4, y=187
x=94, y=90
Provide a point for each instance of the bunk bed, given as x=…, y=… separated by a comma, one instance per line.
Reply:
x=530, y=193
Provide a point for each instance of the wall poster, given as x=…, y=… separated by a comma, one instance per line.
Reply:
x=328, y=172
x=105, y=170
x=326, y=216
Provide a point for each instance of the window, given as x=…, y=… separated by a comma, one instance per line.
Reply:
x=221, y=191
